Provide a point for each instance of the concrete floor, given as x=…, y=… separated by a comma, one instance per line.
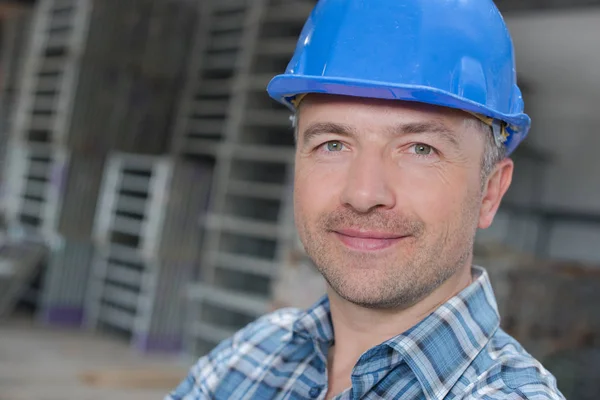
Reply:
x=38, y=363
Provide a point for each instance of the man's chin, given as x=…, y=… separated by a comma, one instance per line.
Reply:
x=369, y=301
x=362, y=291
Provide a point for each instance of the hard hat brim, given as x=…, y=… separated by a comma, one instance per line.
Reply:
x=283, y=88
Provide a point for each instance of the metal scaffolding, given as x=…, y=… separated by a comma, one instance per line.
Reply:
x=248, y=225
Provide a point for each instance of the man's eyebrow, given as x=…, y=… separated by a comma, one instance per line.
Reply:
x=425, y=127
x=437, y=127
x=323, y=128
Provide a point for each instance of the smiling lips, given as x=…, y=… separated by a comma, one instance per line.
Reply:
x=367, y=240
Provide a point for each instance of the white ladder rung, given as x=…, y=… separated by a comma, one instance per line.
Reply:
x=215, y=87
x=31, y=208
x=246, y=264
x=118, y=318
x=228, y=5
x=137, y=161
x=197, y=146
x=38, y=169
x=48, y=83
x=127, y=225
x=221, y=61
x=209, y=107
x=243, y=226
x=42, y=123
x=45, y=103
x=131, y=204
x=58, y=40
x=53, y=65
x=227, y=41
x=232, y=300
x=228, y=22
x=120, y=296
x=135, y=183
x=121, y=253
x=62, y=20
x=122, y=275
x=210, y=332
x=206, y=127
x=36, y=188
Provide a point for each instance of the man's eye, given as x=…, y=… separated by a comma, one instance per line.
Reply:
x=423, y=149
x=334, y=145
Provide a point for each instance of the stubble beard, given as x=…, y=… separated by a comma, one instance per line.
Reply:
x=421, y=262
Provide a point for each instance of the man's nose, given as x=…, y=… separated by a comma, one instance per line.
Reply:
x=367, y=186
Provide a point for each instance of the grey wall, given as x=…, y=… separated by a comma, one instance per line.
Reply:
x=558, y=57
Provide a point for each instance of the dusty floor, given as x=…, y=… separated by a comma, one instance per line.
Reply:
x=37, y=363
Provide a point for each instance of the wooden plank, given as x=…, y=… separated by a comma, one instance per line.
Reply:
x=120, y=378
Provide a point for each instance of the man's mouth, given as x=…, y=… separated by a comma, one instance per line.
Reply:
x=367, y=240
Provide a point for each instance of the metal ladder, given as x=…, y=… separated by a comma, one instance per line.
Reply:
x=146, y=247
x=36, y=174
x=50, y=74
x=205, y=101
x=248, y=226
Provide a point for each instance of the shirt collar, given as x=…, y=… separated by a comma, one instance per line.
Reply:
x=438, y=349
x=316, y=323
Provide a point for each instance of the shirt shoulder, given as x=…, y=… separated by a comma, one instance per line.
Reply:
x=248, y=346
x=505, y=370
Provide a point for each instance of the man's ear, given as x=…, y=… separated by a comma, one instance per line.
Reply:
x=496, y=186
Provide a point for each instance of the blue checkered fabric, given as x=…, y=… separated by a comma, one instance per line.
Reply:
x=457, y=352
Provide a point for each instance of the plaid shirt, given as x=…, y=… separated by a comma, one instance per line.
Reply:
x=457, y=352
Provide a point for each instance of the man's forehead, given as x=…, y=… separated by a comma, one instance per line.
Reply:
x=336, y=103
x=347, y=109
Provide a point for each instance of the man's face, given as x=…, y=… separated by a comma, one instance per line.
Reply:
x=387, y=196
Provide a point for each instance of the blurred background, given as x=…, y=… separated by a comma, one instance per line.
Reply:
x=146, y=190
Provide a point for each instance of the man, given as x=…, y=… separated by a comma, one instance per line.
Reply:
x=406, y=111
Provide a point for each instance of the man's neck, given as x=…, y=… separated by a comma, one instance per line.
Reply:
x=358, y=329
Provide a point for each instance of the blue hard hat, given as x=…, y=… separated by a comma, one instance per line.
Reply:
x=452, y=53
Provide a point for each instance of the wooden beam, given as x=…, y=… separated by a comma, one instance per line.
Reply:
x=134, y=379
